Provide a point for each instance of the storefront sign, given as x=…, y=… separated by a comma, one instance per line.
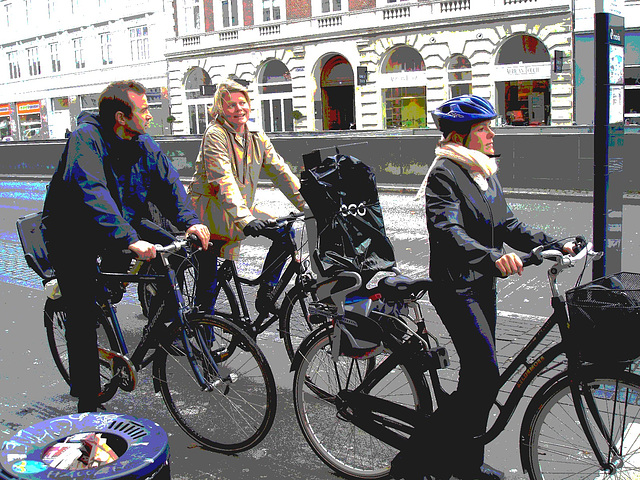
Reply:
x=609, y=6
x=403, y=79
x=522, y=71
x=5, y=110
x=26, y=108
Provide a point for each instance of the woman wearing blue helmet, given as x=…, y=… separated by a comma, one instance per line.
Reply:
x=468, y=221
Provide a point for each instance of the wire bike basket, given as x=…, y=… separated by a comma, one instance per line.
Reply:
x=605, y=318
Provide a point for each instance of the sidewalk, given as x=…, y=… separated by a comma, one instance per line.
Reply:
x=585, y=196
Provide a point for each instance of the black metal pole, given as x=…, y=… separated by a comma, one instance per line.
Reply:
x=608, y=185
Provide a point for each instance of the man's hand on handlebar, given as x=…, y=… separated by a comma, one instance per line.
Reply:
x=143, y=250
x=202, y=232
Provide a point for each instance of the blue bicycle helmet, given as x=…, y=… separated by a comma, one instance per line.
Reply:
x=464, y=109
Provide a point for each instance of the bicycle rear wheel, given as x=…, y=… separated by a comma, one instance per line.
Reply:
x=340, y=444
x=553, y=444
x=295, y=325
x=239, y=410
x=55, y=317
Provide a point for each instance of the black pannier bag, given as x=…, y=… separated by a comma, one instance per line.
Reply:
x=605, y=318
x=342, y=195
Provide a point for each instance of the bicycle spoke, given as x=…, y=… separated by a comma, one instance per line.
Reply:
x=557, y=446
x=239, y=408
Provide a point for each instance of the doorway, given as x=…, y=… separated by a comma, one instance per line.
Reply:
x=338, y=97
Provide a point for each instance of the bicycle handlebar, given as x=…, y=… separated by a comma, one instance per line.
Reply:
x=275, y=223
x=563, y=260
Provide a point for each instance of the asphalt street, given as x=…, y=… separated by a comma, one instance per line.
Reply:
x=32, y=390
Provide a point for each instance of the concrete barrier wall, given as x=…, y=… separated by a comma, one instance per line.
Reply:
x=547, y=157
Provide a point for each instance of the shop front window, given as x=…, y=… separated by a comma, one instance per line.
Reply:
x=276, y=97
x=406, y=98
x=406, y=107
x=29, y=119
x=90, y=102
x=6, y=131
x=523, y=79
x=632, y=78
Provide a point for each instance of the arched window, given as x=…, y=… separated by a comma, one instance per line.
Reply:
x=199, y=94
x=406, y=94
x=523, y=75
x=274, y=87
x=459, y=76
x=404, y=59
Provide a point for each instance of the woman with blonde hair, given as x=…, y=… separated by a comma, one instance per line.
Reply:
x=232, y=156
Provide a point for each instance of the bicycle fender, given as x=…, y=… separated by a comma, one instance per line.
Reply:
x=307, y=342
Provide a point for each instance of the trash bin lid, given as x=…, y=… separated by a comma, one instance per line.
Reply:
x=140, y=445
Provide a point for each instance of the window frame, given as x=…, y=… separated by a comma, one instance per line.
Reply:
x=33, y=59
x=140, y=41
x=78, y=53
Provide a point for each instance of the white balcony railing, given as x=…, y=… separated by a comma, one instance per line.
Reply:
x=228, y=36
x=455, y=5
x=333, y=21
x=397, y=12
x=191, y=41
x=269, y=30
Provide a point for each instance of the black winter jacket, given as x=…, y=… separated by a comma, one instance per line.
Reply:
x=100, y=189
x=468, y=227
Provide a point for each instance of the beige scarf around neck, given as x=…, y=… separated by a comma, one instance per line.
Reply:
x=479, y=165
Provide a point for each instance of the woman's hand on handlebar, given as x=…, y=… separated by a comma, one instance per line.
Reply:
x=202, y=232
x=509, y=264
x=143, y=250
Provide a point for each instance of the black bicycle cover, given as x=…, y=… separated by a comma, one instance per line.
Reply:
x=342, y=195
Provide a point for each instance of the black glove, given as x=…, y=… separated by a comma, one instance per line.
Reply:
x=255, y=228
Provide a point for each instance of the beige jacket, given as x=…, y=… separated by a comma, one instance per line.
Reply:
x=226, y=176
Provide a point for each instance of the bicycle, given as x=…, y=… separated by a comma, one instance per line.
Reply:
x=214, y=379
x=358, y=407
x=231, y=302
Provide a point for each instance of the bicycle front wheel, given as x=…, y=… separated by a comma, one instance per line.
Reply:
x=553, y=444
x=238, y=411
x=338, y=443
x=55, y=318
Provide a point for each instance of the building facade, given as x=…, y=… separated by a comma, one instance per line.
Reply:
x=56, y=56
x=310, y=65
x=317, y=65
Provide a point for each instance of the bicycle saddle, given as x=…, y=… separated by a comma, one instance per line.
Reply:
x=399, y=287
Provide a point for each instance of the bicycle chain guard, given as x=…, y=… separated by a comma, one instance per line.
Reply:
x=121, y=368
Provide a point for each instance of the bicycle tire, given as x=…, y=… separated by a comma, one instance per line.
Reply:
x=552, y=442
x=236, y=415
x=294, y=319
x=339, y=444
x=54, y=322
x=226, y=302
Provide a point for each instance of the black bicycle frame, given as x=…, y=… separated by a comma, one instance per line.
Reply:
x=229, y=272
x=151, y=335
x=365, y=417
